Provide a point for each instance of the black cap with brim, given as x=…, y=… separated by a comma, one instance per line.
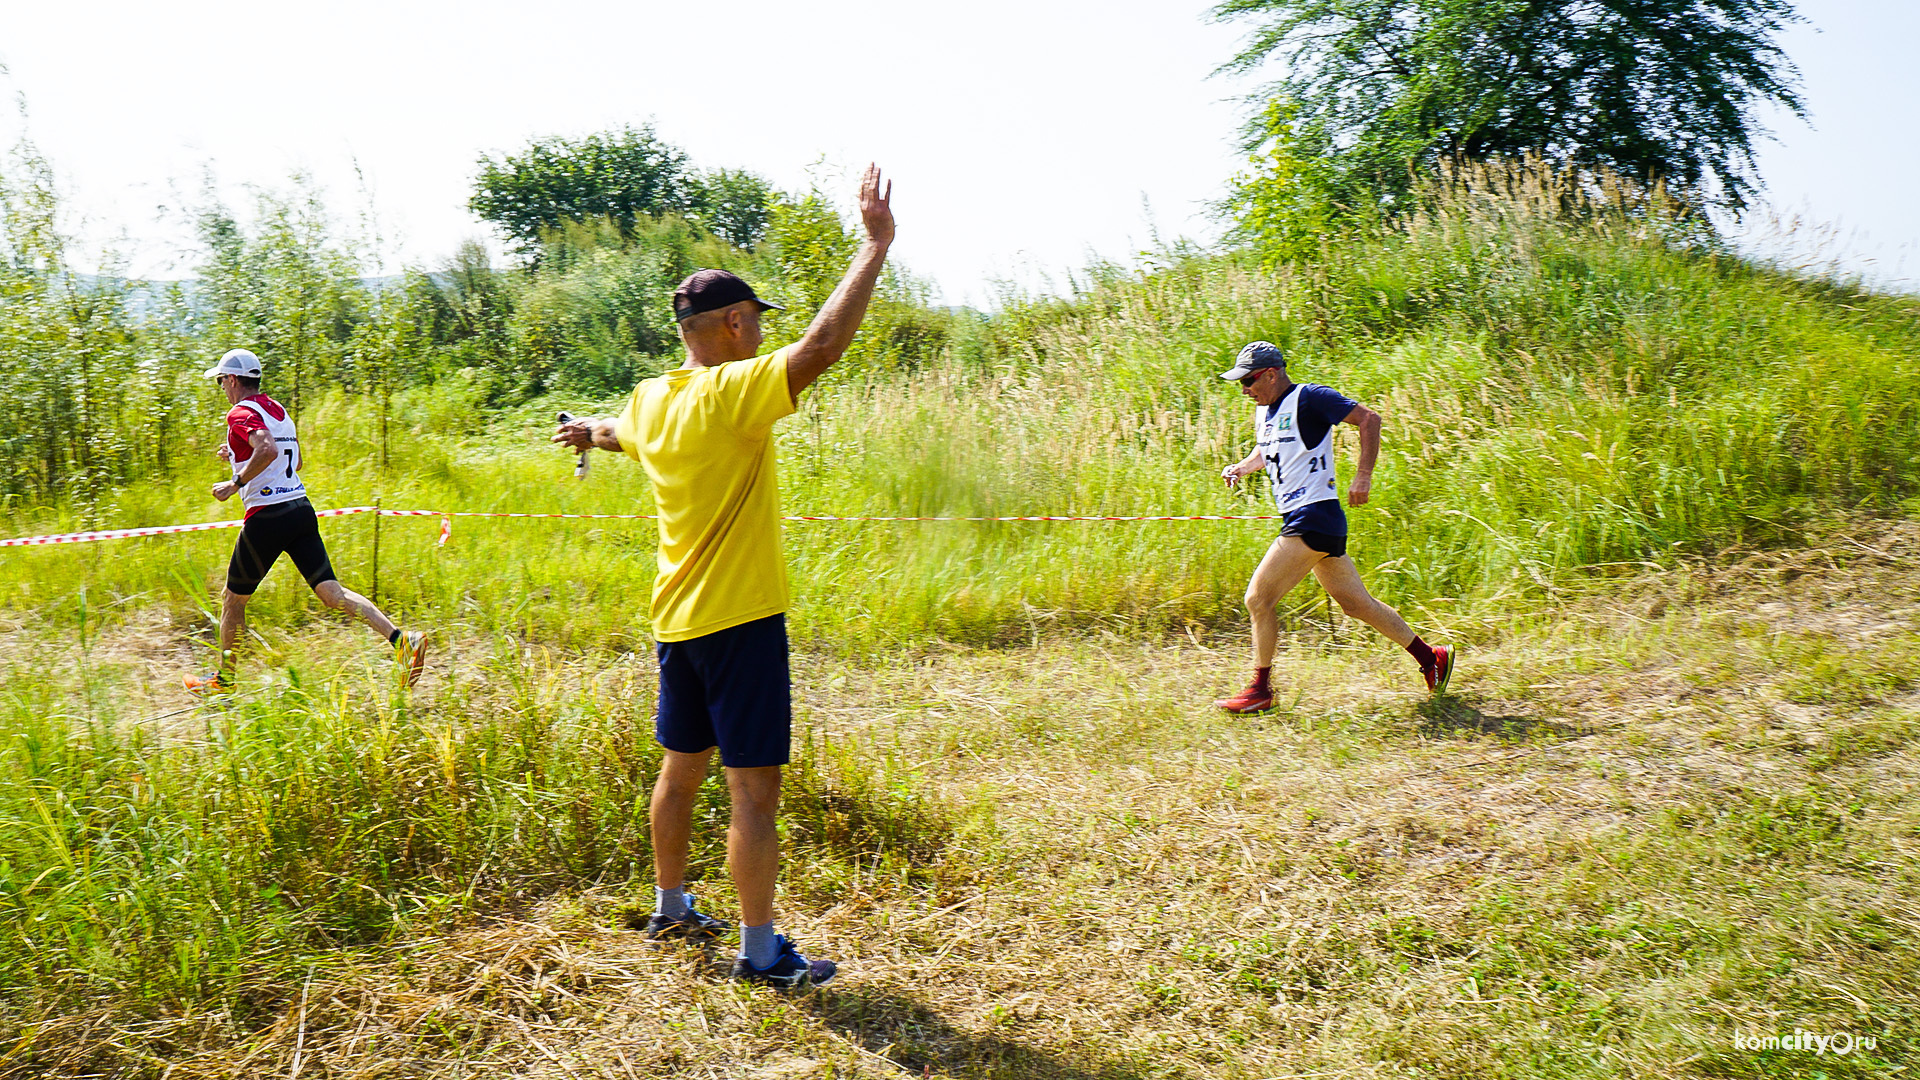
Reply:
x=711, y=290
x=1254, y=356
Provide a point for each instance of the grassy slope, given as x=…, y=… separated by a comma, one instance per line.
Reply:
x=1661, y=812
x=1556, y=399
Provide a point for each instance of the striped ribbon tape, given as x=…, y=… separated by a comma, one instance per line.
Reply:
x=446, y=522
x=153, y=530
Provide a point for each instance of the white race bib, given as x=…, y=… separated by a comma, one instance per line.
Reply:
x=1301, y=475
x=279, y=482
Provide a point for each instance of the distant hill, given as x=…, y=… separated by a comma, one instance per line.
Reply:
x=146, y=297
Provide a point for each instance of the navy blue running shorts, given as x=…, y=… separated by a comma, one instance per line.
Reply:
x=1316, y=525
x=728, y=689
x=290, y=527
x=1326, y=543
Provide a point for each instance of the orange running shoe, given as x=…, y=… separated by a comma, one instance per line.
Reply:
x=212, y=684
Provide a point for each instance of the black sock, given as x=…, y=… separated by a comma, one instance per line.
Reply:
x=393, y=637
x=1422, y=652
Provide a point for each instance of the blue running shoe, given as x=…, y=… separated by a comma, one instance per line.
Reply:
x=790, y=972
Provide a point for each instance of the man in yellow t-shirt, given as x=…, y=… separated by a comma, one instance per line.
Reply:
x=704, y=434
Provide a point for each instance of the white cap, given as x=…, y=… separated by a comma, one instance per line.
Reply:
x=236, y=362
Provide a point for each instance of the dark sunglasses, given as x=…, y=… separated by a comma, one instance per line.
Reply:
x=1249, y=380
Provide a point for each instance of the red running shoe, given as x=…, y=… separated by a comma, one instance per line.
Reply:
x=1441, y=671
x=1254, y=698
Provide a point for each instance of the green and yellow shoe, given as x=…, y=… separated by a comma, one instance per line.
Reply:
x=410, y=652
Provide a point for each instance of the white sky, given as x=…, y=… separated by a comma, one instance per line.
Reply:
x=1024, y=137
x=1851, y=173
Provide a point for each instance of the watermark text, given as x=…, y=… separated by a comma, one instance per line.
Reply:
x=1839, y=1043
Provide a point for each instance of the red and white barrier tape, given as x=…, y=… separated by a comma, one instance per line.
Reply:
x=446, y=522
x=154, y=530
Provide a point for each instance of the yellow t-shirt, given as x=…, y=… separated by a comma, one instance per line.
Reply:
x=705, y=437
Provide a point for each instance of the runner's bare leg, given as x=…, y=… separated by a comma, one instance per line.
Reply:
x=340, y=598
x=1285, y=564
x=1341, y=579
x=233, y=613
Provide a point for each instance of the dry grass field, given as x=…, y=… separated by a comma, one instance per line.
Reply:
x=1674, y=809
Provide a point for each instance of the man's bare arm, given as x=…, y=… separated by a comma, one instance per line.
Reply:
x=832, y=330
x=1246, y=466
x=265, y=453
x=1368, y=422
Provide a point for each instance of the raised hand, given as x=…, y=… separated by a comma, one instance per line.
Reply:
x=876, y=210
x=833, y=326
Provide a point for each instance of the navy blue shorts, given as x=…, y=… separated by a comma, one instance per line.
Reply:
x=1325, y=543
x=1322, y=526
x=728, y=689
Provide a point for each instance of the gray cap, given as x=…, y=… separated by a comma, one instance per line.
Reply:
x=236, y=362
x=1254, y=356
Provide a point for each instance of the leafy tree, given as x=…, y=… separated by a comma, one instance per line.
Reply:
x=806, y=251
x=734, y=205
x=457, y=315
x=89, y=397
x=1286, y=204
x=623, y=176
x=285, y=289
x=1380, y=91
x=810, y=248
x=598, y=313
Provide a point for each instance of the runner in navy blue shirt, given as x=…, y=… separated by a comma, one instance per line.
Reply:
x=1293, y=443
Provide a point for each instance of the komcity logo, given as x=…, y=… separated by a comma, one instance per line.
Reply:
x=1841, y=1043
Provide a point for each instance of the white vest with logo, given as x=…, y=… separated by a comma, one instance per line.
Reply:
x=1301, y=475
x=279, y=482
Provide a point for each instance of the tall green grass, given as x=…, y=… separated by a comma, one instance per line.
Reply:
x=1560, y=393
x=1560, y=390
x=165, y=861
x=1559, y=396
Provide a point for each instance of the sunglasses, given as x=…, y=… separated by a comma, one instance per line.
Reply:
x=1249, y=380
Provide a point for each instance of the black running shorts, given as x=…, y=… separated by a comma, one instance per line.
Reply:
x=289, y=527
